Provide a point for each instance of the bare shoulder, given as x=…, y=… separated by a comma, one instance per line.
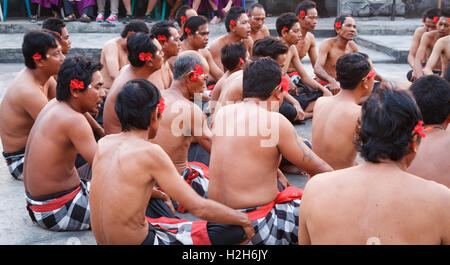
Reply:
x=217, y=43
x=419, y=32
x=353, y=46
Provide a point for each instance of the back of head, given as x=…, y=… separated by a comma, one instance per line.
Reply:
x=162, y=28
x=54, y=24
x=181, y=12
x=135, y=103
x=256, y=5
x=78, y=67
x=231, y=55
x=37, y=42
x=135, y=25
x=261, y=78
x=269, y=46
x=193, y=23
x=137, y=44
x=445, y=12
x=388, y=118
x=432, y=95
x=285, y=20
x=234, y=14
x=304, y=6
x=185, y=63
x=340, y=20
x=351, y=69
x=431, y=13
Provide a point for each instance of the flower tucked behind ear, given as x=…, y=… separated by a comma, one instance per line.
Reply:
x=284, y=85
x=198, y=72
x=435, y=19
x=232, y=22
x=37, y=56
x=338, y=25
x=76, y=84
x=418, y=129
x=187, y=30
x=145, y=56
x=241, y=60
x=161, y=106
x=302, y=13
x=284, y=29
x=183, y=18
x=161, y=38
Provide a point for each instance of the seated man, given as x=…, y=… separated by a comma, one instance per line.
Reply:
x=167, y=35
x=257, y=16
x=432, y=95
x=309, y=90
x=145, y=56
x=337, y=116
x=238, y=28
x=25, y=96
x=430, y=19
x=184, y=12
x=378, y=201
x=195, y=37
x=56, y=194
x=307, y=15
x=126, y=169
x=441, y=51
x=245, y=159
x=427, y=42
x=114, y=52
x=184, y=121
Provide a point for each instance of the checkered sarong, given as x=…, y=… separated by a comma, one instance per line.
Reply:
x=276, y=223
x=197, y=176
x=15, y=163
x=66, y=213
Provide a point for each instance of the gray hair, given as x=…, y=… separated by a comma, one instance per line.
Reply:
x=184, y=64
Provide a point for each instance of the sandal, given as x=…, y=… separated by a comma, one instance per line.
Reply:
x=70, y=18
x=85, y=18
x=33, y=19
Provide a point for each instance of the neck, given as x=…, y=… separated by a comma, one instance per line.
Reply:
x=178, y=87
x=188, y=45
x=341, y=42
x=265, y=104
x=442, y=126
x=123, y=43
x=286, y=42
x=233, y=38
x=40, y=76
x=73, y=104
x=141, y=72
x=304, y=32
x=402, y=164
x=352, y=95
x=135, y=133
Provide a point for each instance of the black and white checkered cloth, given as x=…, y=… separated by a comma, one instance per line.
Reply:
x=197, y=176
x=277, y=223
x=15, y=163
x=67, y=213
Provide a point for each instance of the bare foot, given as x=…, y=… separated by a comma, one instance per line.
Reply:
x=215, y=20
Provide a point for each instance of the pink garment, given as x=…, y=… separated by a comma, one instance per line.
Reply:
x=47, y=3
x=82, y=4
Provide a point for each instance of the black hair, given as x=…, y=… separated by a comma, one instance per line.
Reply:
x=256, y=5
x=135, y=104
x=447, y=74
x=445, y=12
x=234, y=14
x=138, y=43
x=384, y=130
x=260, y=78
x=351, y=69
x=269, y=46
x=193, y=23
x=285, y=20
x=231, y=54
x=77, y=67
x=181, y=12
x=431, y=13
x=432, y=95
x=54, y=34
x=37, y=41
x=304, y=6
x=340, y=19
x=162, y=28
x=54, y=24
x=136, y=25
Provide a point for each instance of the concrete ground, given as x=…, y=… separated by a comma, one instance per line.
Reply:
x=16, y=227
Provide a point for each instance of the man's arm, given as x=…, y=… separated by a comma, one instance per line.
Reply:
x=296, y=105
x=167, y=177
x=319, y=67
x=297, y=152
x=81, y=135
x=34, y=102
x=414, y=46
x=214, y=70
x=312, y=53
x=420, y=56
x=434, y=57
x=199, y=128
x=96, y=128
x=112, y=61
x=214, y=49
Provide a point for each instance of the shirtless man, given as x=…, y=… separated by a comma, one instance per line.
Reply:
x=167, y=35
x=307, y=15
x=432, y=95
x=441, y=51
x=183, y=120
x=56, y=194
x=288, y=28
x=378, y=201
x=427, y=43
x=114, y=52
x=145, y=56
x=184, y=12
x=126, y=169
x=238, y=28
x=430, y=19
x=244, y=165
x=257, y=16
x=338, y=115
x=195, y=38
x=26, y=96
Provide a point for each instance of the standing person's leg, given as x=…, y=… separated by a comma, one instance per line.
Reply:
x=174, y=7
x=101, y=10
x=129, y=15
x=196, y=4
x=69, y=11
x=114, y=7
x=87, y=10
x=215, y=8
x=150, y=5
x=33, y=8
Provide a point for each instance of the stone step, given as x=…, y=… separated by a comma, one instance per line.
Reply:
x=393, y=45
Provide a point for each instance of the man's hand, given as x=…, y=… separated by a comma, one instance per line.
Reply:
x=248, y=230
x=334, y=87
x=416, y=75
x=292, y=87
x=300, y=112
x=157, y=194
x=282, y=179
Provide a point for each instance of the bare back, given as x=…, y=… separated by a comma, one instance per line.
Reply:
x=113, y=57
x=19, y=108
x=232, y=90
x=374, y=204
x=333, y=130
x=431, y=161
